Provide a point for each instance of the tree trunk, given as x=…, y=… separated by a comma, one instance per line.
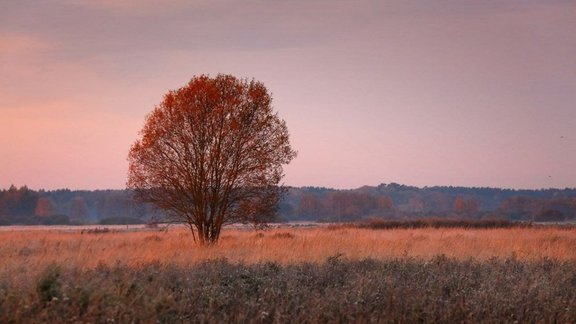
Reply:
x=208, y=234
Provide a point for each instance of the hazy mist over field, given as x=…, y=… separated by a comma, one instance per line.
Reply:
x=442, y=92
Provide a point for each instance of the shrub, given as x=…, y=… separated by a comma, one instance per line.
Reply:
x=283, y=235
x=550, y=215
x=57, y=219
x=48, y=286
x=120, y=221
x=437, y=223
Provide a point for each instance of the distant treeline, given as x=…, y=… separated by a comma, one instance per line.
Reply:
x=25, y=206
x=395, y=201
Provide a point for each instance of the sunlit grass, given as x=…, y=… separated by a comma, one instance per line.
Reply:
x=290, y=275
x=32, y=249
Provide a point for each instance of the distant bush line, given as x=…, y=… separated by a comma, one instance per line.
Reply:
x=404, y=290
x=120, y=221
x=436, y=223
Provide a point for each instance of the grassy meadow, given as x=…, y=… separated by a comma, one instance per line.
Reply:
x=334, y=274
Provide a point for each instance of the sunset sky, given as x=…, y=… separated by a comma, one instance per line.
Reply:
x=419, y=92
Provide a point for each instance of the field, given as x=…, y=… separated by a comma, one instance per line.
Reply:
x=290, y=274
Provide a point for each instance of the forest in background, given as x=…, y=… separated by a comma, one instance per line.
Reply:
x=24, y=206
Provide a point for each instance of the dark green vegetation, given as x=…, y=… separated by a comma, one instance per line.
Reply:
x=440, y=290
x=386, y=201
x=436, y=223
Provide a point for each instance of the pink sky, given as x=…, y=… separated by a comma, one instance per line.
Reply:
x=420, y=92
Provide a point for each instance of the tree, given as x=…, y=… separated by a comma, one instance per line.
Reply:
x=465, y=206
x=310, y=207
x=78, y=210
x=18, y=205
x=385, y=206
x=212, y=153
x=44, y=207
x=549, y=215
x=519, y=207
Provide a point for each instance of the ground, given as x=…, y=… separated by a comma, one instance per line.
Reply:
x=280, y=275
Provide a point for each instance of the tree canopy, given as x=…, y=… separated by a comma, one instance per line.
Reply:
x=211, y=153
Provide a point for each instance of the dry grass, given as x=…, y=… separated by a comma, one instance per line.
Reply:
x=24, y=250
x=290, y=275
x=393, y=291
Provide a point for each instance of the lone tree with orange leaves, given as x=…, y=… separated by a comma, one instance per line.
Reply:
x=211, y=154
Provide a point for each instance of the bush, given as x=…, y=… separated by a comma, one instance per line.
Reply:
x=437, y=223
x=54, y=220
x=283, y=235
x=48, y=286
x=550, y=215
x=120, y=221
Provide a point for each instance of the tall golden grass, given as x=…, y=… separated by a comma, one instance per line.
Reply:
x=153, y=276
x=26, y=250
